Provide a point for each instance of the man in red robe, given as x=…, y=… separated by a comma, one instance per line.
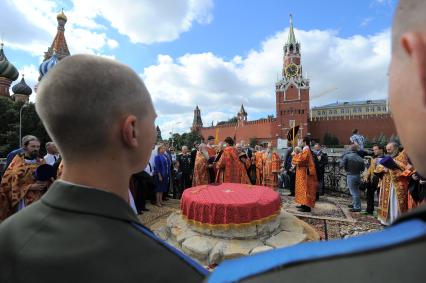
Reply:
x=19, y=187
x=270, y=167
x=201, y=174
x=230, y=168
x=393, y=198
x=258, y=161
x=306, y=178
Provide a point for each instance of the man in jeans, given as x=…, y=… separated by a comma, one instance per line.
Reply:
x=354, y=166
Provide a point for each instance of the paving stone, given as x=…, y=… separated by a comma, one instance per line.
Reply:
x=274, y=224
x=184, y=235
x=175, y=232
x=239, y=233
x=216, y=254
x=198, y=246
x=201, y=230
x=162, y=233
x=285, y=239
x=176, y=220
x=290, y=223
x=237, y=248
x=261, y=249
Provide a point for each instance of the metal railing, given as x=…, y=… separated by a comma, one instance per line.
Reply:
x=334, y=176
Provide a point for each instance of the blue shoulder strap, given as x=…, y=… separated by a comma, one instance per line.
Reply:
x=172, y=249
x=238, y=269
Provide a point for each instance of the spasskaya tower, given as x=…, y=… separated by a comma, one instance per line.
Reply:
x=292, y=90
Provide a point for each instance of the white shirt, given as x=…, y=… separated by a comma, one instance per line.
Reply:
x=51, y=158
x=151, y=164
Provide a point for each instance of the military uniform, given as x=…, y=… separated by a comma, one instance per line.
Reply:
x=78, y=234
x=395, y=254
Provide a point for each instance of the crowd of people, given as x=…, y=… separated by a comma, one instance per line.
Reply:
x=389, y=174
x=169, y=173
x=301, y=169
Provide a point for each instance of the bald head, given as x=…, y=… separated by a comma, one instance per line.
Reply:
x=83, y=97
x=407, y=79
x=409, y=16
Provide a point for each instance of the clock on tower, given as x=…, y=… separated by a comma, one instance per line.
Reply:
x=291, y=70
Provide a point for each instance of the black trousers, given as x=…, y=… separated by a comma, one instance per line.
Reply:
x=142, y=188
x=292, y=181
x=371, y=189
x=186, y=181
x=321, y=183
x=212, y=177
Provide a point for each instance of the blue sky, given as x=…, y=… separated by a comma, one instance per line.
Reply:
x=217, y=54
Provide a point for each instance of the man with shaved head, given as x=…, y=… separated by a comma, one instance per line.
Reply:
x=397, y=253
x=100, y=115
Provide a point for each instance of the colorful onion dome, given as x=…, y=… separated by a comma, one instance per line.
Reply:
x=48, y=64
x=7, y=70
x=61, y=16
x=22, y=88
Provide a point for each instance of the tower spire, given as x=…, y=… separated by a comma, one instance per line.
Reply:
x=197, y=123
x=291, y=36
x=59, y=44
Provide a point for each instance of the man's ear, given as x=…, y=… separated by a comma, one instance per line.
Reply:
x=414, y=45
x=129, y=131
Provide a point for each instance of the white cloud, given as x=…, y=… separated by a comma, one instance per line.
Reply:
x=141, y=21
x=383, y=2
x=38, y=25
x=356, y=66
x=112, y=43
x=365, y=22
x=146, y=21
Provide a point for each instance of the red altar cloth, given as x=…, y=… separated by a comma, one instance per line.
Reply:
x=229, y=204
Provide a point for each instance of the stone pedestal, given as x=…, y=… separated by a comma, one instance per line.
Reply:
x=212, y=246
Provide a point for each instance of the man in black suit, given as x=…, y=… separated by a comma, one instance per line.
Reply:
x=185, y=169
x=83, y=229
x=322, y=161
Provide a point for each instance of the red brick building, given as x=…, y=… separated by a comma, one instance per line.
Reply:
x=292, y=108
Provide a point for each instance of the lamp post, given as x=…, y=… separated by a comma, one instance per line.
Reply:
x=25, y=105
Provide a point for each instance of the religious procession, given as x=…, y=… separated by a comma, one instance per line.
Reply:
x=316, y=186
x=382, y=173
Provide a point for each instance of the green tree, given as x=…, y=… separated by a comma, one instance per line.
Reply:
x=253, y=142
x=330, y=139
x=187, y=139
x=176, y=140
x=381, y=139
x=159, y=137
x=395, y=138
x=9, y=126
x=233, y=120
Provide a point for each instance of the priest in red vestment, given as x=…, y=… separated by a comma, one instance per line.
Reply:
x=230, y=168
x=201, y=174
x=306, y=177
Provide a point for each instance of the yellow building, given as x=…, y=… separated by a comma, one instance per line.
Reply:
x=350, y=109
